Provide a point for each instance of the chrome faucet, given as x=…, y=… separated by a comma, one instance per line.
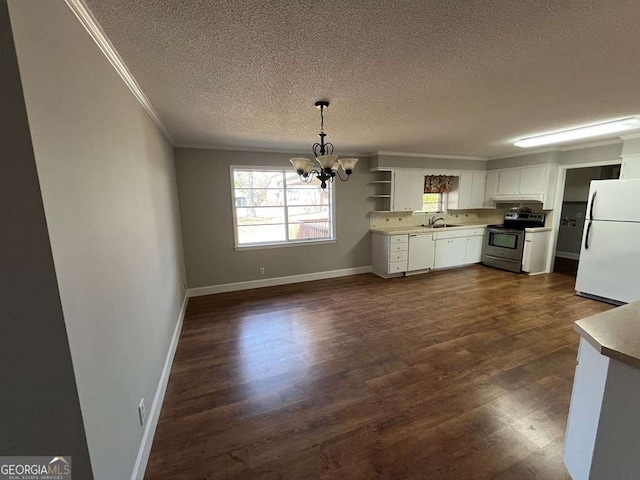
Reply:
x=433, y=220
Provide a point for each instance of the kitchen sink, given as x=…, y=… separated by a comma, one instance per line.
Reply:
x=443, y=225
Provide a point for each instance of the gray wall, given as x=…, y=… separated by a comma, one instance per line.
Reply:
x=567, y=157
x=204, y=188
x=382, y=161
x=107, y=178
x=39, y=407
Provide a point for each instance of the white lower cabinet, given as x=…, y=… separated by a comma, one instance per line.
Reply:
x=459, y=247
x=450, y=252
x=473, y=253
x=396, y=255
x=389, y=254
x=534, y=256
x=603, y=428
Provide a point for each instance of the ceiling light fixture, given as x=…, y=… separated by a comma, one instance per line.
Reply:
x=329, y=163
x=582, y=132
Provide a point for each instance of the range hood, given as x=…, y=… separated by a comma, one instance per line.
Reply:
x=517, y=197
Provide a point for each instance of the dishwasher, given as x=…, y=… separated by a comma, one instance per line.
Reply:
x=421, y=251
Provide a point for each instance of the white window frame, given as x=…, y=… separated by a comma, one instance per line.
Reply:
x=444, y=200
x=286, y=243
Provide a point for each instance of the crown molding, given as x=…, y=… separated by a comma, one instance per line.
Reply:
x=591, y=145
x=90, y=24
x=432, y=155
x=580, y=146
x=227, y=148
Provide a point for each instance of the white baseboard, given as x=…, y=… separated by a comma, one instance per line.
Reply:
x=154, y=413
x=572, y=256
x=270, y=282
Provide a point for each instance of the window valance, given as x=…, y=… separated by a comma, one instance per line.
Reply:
x=438, y=183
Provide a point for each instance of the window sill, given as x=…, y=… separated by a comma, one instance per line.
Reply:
x=283, y=244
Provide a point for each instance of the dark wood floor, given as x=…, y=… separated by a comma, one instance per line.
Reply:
x=566, y=266
x=459, y=374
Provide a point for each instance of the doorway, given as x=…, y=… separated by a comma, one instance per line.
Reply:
x=572, y=216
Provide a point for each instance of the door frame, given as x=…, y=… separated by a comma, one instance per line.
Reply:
x=557, y=203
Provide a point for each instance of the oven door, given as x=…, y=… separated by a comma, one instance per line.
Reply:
x=504, y=244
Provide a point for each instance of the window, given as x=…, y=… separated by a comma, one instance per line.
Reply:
x=434, y=202
x=272, y=206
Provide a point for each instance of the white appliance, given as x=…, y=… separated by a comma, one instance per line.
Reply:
x=421, y=251
x=609, y=268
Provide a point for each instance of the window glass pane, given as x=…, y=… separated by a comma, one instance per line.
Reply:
x=432, y=202
x=258, y=179
x=259, y=215
x=259, y=197
x=308, y=214
x=309, y=231
x=503, y=240
x=307, y=196
x=293, y=181
x=261, y=234
x=270, y=210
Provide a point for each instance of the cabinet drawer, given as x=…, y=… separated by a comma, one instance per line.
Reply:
x=475, y=232
x=398, y=247
x=398, y=257
x=451, y=234
x=398, y=239
x=397, y=267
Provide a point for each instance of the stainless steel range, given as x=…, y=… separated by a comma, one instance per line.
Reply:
x=504, y=244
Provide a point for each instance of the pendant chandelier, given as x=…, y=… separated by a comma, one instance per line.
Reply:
x=330, y=165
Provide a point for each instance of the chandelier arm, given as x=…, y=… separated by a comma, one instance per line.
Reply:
x=337, y=173
x=315, y=148
x=329, y=148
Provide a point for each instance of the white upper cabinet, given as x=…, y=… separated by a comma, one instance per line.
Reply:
x=508, y=182
x=491, y=188
x=470, y=191
x=477, y=189
x=408, y=187
x=524, y=184
x=533, y=179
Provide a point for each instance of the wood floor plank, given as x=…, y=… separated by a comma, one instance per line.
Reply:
x=458, y=374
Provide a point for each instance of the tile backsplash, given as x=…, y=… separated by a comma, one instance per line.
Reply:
x=409, y=219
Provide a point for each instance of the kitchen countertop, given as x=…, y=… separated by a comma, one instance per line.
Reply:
x=537, y=229
x=614, y=333
x=418, y=229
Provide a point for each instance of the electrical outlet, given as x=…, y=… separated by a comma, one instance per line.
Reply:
x=142, y=412
x=261, y=270
x=184, y=287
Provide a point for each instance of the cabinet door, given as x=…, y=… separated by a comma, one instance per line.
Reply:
x=407, y=191
x=533, y=179
x=450, y=252
x=491, y=189
x=477, y=189
x=508, y=182
x=465, y=191
x=473, y=252
x=421, y=250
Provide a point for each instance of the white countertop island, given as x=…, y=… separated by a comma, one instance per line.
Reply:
x=603, y=429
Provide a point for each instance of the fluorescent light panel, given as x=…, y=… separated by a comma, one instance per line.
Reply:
x=582, y=132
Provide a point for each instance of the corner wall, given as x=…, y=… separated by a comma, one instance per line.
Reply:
x=39, y=408
x=107, y=177
x=204, y=188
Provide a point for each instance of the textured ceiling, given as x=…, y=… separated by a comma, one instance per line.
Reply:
x=450, y=77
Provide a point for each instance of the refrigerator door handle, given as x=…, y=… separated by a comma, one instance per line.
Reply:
x=586, y=237
x=593, y=199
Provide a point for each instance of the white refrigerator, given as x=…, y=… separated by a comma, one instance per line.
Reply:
x=609, y=267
